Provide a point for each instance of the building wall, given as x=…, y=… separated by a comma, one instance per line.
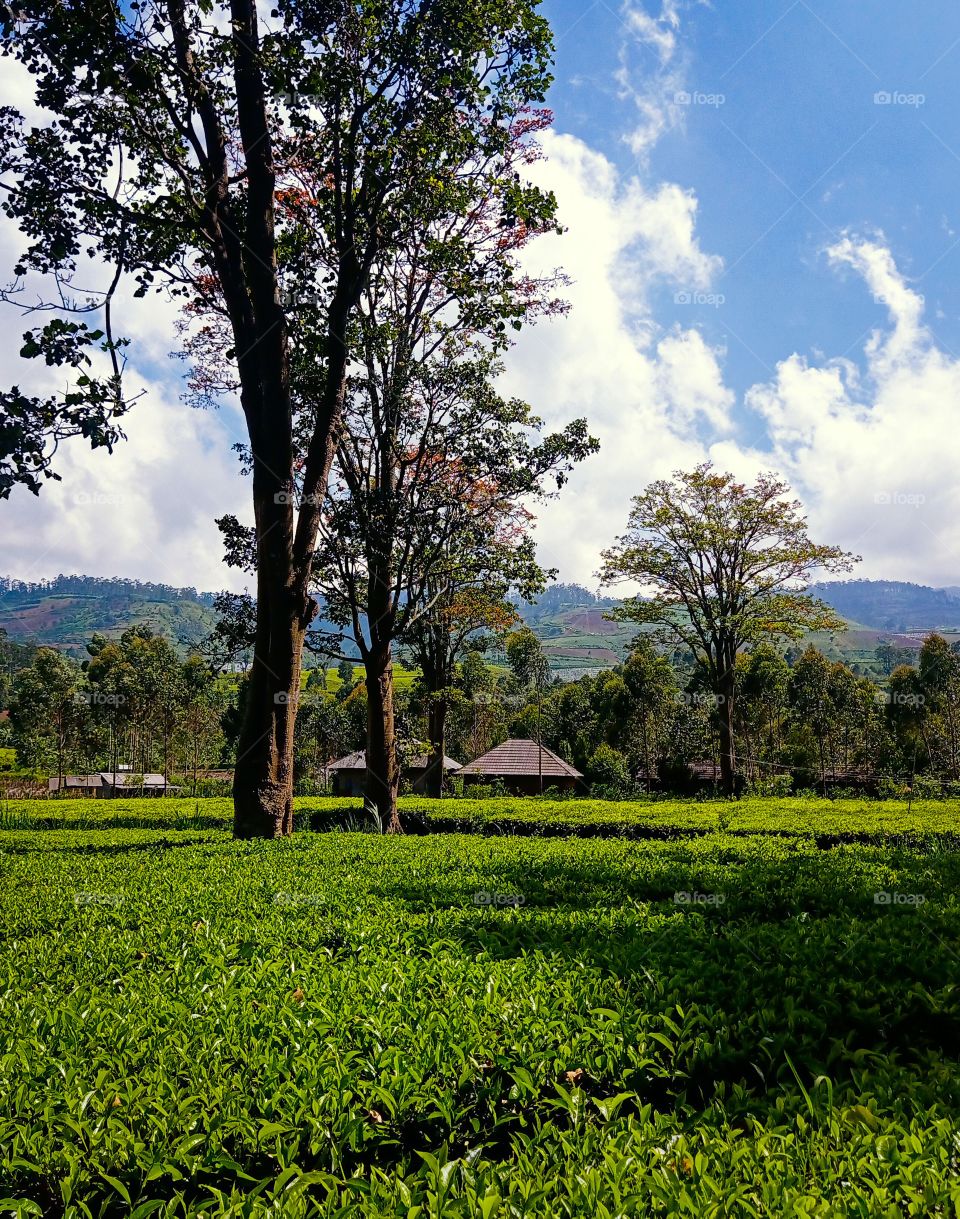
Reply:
x=348, y=782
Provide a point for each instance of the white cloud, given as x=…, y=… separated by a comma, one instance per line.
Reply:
x=873, y=451
x=146, y=511
x=655, y=399
x=653, y=91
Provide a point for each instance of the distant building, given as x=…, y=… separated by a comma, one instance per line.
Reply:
x=106, y=784
x=524, y=767
x=348, y=775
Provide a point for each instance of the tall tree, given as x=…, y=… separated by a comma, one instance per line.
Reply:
x=652, y=693
x=259, y=167
x=727, y=564
x=939, y=673
x=48, y=709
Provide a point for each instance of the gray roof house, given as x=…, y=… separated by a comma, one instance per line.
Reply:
x=348, y=774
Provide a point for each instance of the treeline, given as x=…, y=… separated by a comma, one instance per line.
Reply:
x=132, y=704
x=802, y=721
x=15, y=592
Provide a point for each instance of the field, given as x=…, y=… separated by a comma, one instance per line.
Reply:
x=722, y=1018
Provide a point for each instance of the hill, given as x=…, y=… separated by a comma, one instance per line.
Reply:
x=892, y=605
x=576, y=636
x=569, y=619
x=66, y=611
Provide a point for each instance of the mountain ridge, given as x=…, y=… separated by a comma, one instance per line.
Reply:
x=569, y=619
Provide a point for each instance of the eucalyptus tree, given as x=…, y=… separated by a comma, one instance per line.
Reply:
x=726, y=565
x=259, y=168
x=48, y=709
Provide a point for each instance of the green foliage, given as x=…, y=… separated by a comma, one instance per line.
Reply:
x=344, y=1024
x=608, y=768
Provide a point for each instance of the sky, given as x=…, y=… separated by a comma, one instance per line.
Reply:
x=763, y=234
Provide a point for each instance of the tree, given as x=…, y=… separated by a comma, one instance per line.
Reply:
x=428, y=517
x=939, y=673
x=727, y=565
x=199, y=716
x=763, y=684
x=449, y=629
x=809, y=690
x=652, y=693
x=531, y=674
x=260, y=169
x=48, y=709
x=908, y=714
x=608, y=768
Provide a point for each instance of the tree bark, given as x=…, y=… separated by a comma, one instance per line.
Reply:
x=263, y=779
x=383, y=776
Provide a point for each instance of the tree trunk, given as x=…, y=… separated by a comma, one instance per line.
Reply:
x=437, y=725
x=728, y=752
x=263, y=779
x=383, y=777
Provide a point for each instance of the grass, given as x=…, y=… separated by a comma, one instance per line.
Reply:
x=466, y=1025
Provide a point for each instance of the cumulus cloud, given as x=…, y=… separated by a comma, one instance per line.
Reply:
x=872, y=448
x=655, y=398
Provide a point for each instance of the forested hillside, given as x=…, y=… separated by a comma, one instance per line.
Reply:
x=66, y=611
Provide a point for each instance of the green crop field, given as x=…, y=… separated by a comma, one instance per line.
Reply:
x=733, y=1022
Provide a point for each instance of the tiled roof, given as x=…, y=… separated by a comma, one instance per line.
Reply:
x=520, y=757
x=358, y=761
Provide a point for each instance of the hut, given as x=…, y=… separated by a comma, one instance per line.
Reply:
x=523, y=767
x=348, y=775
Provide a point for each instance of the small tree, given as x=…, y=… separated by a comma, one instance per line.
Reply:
x=940, y=682
x=531, y=674
x=652, y=691
x=727, y=564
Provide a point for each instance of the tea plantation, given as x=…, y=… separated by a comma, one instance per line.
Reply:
x=739, y=1010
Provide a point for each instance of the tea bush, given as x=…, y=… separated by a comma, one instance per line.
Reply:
x=344, y=1024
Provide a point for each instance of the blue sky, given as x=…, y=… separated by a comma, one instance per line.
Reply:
x=763, y=211
x=791, y=151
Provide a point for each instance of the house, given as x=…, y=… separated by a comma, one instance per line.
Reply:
x=106, y=784
x=524, y=767
x=77, y=785
x=348, y=775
